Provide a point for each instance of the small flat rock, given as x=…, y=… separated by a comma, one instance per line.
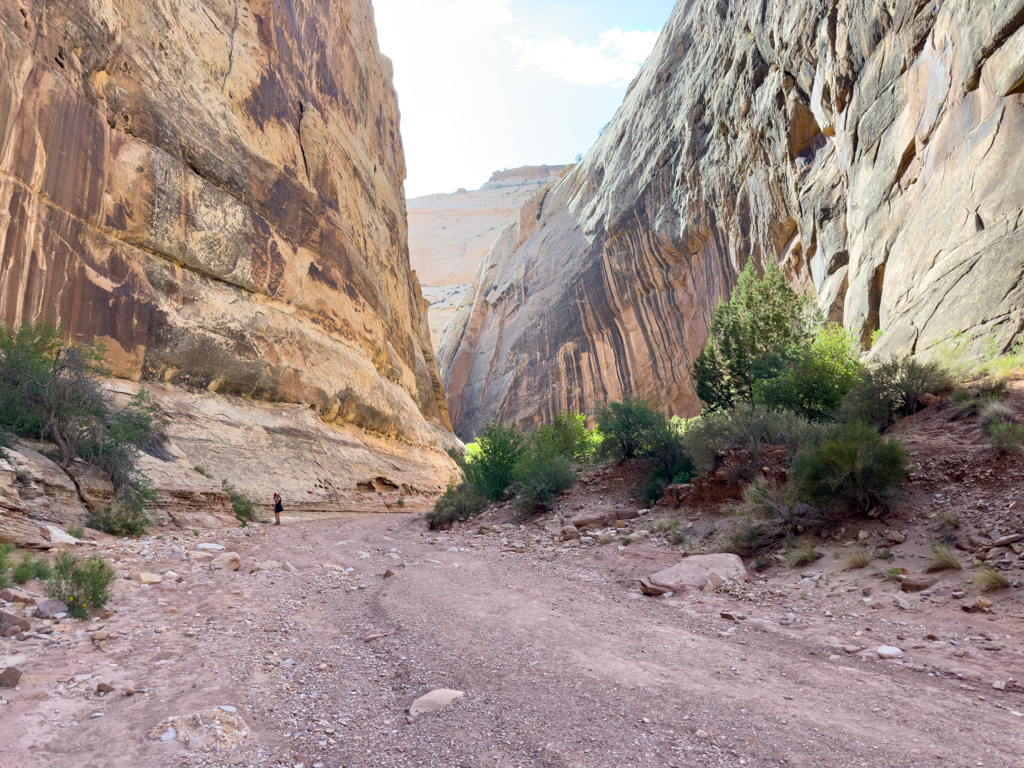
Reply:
x=209, y=547
x=733, y=616
x=895, y=537
x=266, y=565
x=104, y=688
x=889, y=652
x=693, y=573
x=389, y=573
x=290, y=568
x=143, y=577
x=1005, y=541
x=436, y=699
x=918, y=583
x=851, y=648
x=983, y=602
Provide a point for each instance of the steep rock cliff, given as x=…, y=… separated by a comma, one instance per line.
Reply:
x=450, y=234
x=870, y=148
x=214, y=188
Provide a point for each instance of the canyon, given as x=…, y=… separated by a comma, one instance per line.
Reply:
x=864, y=147
x=215, y=192
x=451, y=234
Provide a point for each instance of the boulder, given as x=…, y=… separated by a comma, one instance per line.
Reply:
x=602, y=516
x=693, y=573
x=10, y=677
x=436, y=699
x=229, y=561
x=8, y=620
x=49, y=609
x=144, y=577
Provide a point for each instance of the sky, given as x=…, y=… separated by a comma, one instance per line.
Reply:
x=490, y=84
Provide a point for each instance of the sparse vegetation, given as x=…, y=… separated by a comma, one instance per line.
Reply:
x=53, y=390
x=241, y=504
x=460, y=501
x=203, y=471
x=539, y=477
x=950, y=519
x=858, y=557
x=894, y=574
x=942, y=558
x=30, y=568
x=803, y=555
x=76, y=531
x=892, y=388
x=80, y=583
x=122, y=521
x=855, y=468
x=1005, y=436
x=772, y=518
x=988, y=579
x=492, y=459
x=6, y=550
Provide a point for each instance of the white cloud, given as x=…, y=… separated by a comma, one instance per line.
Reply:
x=615, y=60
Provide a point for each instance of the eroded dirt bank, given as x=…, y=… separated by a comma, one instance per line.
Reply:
x=563, y=662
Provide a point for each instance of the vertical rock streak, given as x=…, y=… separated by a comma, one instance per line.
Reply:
x=869, y=149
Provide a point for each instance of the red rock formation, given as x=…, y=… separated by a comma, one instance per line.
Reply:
x=215, y=189
x=871, y=149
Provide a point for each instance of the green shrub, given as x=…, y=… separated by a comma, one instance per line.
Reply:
x=1005, y=436
x=746, y=426
x=80, y=583
x=77, y=531
x=6, y=551
x=240, y=503
x=539, y=477
x=459, y=502
x=809, y=380
x=763, y=315
x=630, y=428
x=119, y=521
x=492, y=462
x=856, y=467
x=53, y=390
x=29, y=568
x=568, y=434
x=203, y=471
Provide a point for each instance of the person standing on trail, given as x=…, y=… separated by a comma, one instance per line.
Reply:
x=278, y=509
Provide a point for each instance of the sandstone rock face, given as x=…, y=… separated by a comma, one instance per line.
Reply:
x=451, y=234
x=871, y=149
x=215, y=190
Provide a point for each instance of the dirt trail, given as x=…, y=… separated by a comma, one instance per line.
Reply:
x=562, y=661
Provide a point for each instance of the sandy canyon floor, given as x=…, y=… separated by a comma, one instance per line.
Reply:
x=561, y=660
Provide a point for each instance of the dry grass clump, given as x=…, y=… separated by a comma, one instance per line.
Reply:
x=942, y=558
x=950, y=519
x=989, y=579
x=859, y=557
x=804, y=555
x=994, y=411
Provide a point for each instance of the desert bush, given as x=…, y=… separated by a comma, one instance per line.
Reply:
x=772, y=518
x=891, y=388
x=950, y=519
x=6, y=552
x=858, y=557
x=810, y=380
x=119, y=521
x=1006, y=436
x=568, y=434
x=77, y=531
x=80, y=583
x=746, y=426
x=629, y=428
x=994, y=411
x=241, y=504
x=856, y=468
x=989, y=579
x=492, y=462
x=539, y=477
x=762, y=316
x=53, y=390
x=203, y=471
x=29, y=568
x=460, y=501
x=942, y=558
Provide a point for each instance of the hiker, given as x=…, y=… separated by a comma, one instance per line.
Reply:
x=278, y=509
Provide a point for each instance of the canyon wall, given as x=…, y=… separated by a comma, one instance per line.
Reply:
x=214, y=189
x=871, y=149
x=450, y=234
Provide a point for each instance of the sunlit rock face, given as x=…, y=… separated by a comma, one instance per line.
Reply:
x=214, y=188
x=871, y=149
x=451, y=234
